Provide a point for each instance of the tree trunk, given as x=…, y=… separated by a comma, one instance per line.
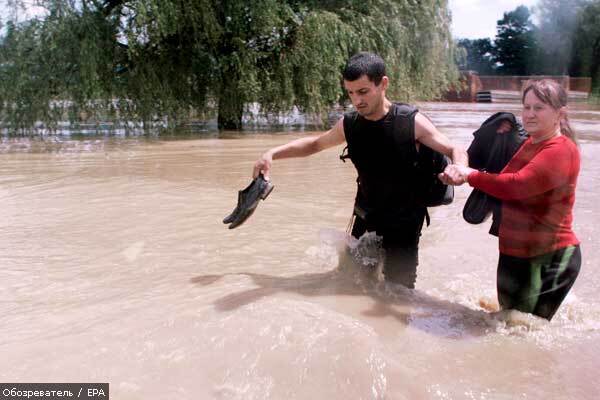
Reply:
x=231, y=106
x=595, y=67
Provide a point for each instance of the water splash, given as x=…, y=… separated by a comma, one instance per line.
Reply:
x=314, y=345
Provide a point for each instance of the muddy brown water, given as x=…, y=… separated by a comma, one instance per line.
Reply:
x=115, y=267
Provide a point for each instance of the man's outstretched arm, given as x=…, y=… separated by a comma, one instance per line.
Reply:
x=430, y=136
x=302, y=147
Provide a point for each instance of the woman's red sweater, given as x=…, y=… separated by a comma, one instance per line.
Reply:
x=537, y=189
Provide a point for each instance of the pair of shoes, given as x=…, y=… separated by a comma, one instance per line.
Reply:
x=248, y=200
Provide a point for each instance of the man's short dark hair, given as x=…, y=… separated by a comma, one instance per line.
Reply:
x=364, y=63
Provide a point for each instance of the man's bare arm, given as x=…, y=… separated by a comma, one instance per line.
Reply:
x=430, y=136
x=302, y=147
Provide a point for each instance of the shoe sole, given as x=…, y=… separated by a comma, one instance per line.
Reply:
x=267, y=191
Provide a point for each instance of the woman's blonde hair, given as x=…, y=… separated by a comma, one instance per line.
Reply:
x=553, y=94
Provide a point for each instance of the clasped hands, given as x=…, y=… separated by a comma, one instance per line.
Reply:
x=455, y=174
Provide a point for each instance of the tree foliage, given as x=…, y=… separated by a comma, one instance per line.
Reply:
x=143, y=60
x=479, y=55
x=566, y=40
x=586, y=44
x=557, y=22
x=515, y=42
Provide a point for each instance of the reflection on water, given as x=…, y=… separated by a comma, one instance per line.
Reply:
x=116, y=268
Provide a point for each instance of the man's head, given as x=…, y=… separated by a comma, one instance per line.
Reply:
x=364, y=63
x=366, y=82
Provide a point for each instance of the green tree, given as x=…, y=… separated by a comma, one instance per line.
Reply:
x=62, y=64
x=586, y=44
x=479, y=55
x=515, y=42
x=558, y=21
x=162, y=60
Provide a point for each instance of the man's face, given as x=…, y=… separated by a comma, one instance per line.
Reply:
x=366, y=97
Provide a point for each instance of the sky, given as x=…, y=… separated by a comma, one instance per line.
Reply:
x=476, y=19
x=30, y=10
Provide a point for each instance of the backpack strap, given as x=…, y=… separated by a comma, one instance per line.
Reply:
x=404, y=128
x=349, y=121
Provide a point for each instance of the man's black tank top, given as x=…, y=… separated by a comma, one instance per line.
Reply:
x=385, y=158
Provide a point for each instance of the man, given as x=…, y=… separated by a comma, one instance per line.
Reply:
x=385, y=158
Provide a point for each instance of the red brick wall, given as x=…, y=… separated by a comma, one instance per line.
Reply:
x=581, y=84
x=491, y=82
x=469, y=85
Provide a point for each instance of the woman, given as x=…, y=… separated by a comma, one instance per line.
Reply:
x=539, y=253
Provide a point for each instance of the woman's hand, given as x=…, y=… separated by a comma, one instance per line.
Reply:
x=455, y=174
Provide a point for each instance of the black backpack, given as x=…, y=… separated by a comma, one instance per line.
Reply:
x=430, y=191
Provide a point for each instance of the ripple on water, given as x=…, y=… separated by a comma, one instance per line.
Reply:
x=279, y=349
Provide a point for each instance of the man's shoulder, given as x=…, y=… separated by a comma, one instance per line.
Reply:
x=404, y=109
x=350, y=122
x=350, y=115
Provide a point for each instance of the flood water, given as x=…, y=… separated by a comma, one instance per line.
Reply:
x=115, y=267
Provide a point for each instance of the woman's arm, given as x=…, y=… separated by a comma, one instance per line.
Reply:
x=548, y=169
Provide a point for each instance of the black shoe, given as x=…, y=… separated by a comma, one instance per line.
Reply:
x=228, y=219
x=248, y=200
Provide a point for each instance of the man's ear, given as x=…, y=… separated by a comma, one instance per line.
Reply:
x=384, y=82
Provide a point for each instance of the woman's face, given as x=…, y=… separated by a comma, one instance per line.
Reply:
x=539, y=119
